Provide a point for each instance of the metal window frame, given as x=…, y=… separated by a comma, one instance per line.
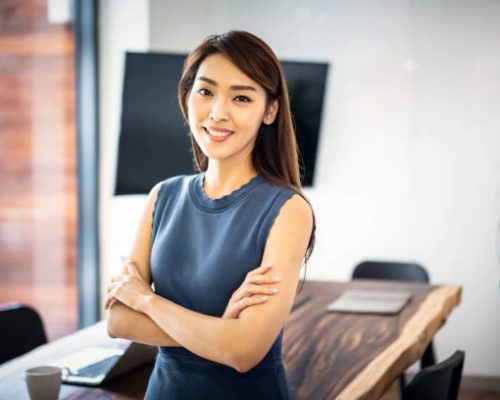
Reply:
x=87, y=127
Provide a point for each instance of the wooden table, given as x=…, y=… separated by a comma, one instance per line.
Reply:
x=326, y=355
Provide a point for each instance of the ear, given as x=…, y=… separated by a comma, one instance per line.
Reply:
x=272, y=111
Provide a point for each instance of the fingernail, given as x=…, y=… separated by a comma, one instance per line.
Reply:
x=275, y=290
x=277, y=278
x=263, y=298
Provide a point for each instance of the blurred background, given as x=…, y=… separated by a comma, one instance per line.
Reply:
x=407, y=164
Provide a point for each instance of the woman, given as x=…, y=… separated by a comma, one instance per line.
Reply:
x=201, y=236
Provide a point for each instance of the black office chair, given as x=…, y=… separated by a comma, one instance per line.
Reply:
x=21, y=330
x=397, y=271
x=438, y=382
x=394, y=271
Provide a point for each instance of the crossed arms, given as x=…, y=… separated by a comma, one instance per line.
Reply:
x=239, y=343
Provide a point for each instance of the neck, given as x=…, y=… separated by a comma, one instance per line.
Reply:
x=221, y=178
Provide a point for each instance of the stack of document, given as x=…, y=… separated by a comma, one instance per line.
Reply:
x=367, y=301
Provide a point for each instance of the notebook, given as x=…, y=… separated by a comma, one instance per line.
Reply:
x=93, y=366
x=368, y=301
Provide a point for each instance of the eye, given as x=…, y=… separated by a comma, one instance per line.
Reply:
x=243, y=99
x=204, y=92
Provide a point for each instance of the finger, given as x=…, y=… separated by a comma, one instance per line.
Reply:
x=260, y=270
x=240, y=293
x=250, y=301
x=112, y=302
x=116, y=283
x=243, y=291
x=109, y=297
x=116, y=278
x=260, y=289
x=107, y=302
x=110, y=287
x=262, y=279
x=250, y=290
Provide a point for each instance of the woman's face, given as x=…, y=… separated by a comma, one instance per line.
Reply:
x=226, y=109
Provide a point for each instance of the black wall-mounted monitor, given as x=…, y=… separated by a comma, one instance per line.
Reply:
x=154, y=139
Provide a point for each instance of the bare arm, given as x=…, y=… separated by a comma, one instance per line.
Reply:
x=138, y=327
x=242, y=343
x=123, y=321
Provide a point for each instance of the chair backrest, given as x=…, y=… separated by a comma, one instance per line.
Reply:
x=21, y=330
x=388, y=270
x=438, y=382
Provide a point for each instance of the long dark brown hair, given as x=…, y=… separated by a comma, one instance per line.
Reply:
x=275, y=154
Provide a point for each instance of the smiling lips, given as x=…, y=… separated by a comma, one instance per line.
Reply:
x=217, y=134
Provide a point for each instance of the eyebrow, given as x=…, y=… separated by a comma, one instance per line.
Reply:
x=234, y=87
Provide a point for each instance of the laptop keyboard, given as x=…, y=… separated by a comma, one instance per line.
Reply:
x=99, y=368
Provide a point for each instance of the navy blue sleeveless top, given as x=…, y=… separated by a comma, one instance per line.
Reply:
x=202, y=249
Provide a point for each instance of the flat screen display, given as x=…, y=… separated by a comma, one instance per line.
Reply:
x=154, y=139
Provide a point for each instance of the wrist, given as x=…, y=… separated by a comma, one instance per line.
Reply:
x=146, y=302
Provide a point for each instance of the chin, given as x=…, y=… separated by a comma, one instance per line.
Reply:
x=216, y=155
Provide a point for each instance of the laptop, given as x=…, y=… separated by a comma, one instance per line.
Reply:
x=368, y=301
x=93, y=366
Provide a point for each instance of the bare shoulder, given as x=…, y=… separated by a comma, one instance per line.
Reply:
x=290, y=232
x=153, y=193
x=151, y=199
x=169, y=184
x=296, y=212
x=284, y=250
x=299, y=205
x=141, y=244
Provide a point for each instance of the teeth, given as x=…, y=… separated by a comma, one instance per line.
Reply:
x=217, y=134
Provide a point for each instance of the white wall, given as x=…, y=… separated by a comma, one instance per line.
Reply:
x=124, y=26
x=409, y=159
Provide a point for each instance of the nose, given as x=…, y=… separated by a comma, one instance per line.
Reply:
x=219, y=110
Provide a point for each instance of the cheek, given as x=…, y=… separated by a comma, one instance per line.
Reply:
x=251, y=120
x=190, y=105
x=194, y=112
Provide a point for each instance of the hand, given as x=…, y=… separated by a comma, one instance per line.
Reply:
x=251, y=292
x=128, y=288
x=108, y=302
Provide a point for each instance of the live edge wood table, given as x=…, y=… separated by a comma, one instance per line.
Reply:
x=326, y=355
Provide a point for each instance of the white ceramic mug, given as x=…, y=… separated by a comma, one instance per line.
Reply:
x=44, y=383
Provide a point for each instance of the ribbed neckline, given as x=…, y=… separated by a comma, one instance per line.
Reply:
x=202, y=201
